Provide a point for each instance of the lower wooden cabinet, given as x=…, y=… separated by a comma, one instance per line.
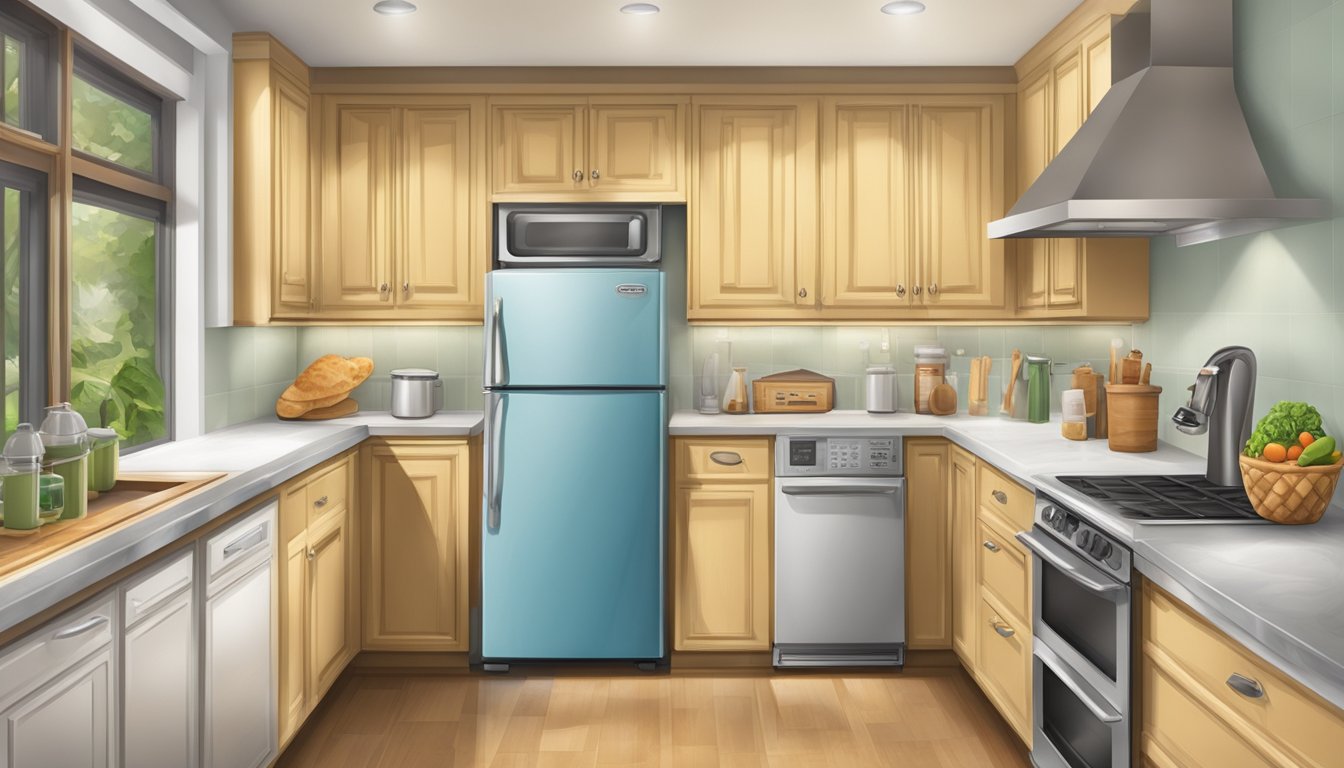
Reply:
x=1003, y=662
x=928, y=572
x=417, y=533
x=722, y=592
x=965, y=584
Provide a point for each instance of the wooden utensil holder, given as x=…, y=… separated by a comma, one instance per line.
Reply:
x=1132, y=417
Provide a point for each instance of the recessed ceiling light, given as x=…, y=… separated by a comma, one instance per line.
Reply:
x=903, y=7
x=394, y=7
x=640, y=9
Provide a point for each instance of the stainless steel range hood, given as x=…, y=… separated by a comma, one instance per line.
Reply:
x=1167, y=150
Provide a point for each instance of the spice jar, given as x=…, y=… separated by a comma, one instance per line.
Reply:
x=65, y=436
x=22, y=466
x=930, y=369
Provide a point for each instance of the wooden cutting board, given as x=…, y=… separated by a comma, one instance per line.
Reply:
x=347, y=407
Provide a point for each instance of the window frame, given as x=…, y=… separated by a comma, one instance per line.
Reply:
x=106, y=77
x=34, y=271
x=41, y=95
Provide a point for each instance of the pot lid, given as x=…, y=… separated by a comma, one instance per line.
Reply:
x=104, y=434
x=414, y=373
x=63, y=421
x=24, y=446
x=881, y=369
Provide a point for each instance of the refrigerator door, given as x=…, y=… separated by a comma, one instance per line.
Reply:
x=572, y=543
x=553, y=328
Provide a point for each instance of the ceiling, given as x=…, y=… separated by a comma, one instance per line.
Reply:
x=686, y=33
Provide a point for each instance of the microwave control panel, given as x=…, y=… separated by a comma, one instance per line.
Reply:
x=817, y=456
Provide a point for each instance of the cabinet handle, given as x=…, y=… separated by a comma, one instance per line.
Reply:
x=933, y=289
x=1000, y=497
x=406, y=289
x=80, y=628
x=247, y=540
x=594, y=175
x=312, y=553
x=1245, y=686
x=383, y=288
x=900, y=290
x=991, y=546
x=917, y=289
x=726, y=458
x=320, y=503
x=802, y=293
x=1003, y=629
x=577, y=175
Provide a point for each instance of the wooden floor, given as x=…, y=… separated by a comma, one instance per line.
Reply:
x=921, y=718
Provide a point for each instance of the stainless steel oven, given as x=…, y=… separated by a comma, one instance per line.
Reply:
x=1081, y=644
x=577, y=234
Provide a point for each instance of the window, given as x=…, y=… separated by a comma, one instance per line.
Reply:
x=22, y=291
x=28, y=71
x=113, y=120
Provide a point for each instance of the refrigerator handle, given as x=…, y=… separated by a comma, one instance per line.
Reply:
x=494, y=470
x=498, y=366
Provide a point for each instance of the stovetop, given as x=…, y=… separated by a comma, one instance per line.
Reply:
x=1166, y=498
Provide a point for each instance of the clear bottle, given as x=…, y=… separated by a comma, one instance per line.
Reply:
x=20, y=485
x=735, y=395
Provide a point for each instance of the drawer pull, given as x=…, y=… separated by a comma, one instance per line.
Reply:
x=1245, y=686
x=252, y=538
x=80, y=628
x=320, y=503
x=726, y=458
x=312, y=553
x=1003, y=629
x=991, y=546
x=1000, y=497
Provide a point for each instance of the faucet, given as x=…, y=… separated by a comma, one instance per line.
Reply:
x=1220, y=404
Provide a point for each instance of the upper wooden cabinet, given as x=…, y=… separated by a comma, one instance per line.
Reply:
x=614, y=148
x=404, y=212
x=1100, y=278
x=273, y=238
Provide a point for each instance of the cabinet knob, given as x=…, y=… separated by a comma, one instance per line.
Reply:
x=1246, y=686
x=726, y=458
x=320, y=503
x=577, y=175
x=991, y=546
x=1000, y=496
x=900, y=290
x=917, y=289
x=594, y=175
x=1003, y=629
x=383, y=288
x=802, y=293
x=933, y=289
x=406, y=289
x=312, y=553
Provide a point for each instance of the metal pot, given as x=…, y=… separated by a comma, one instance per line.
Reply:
x=416, y=393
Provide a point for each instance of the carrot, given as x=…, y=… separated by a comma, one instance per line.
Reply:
x=1294, y=451
x=1275, y=452
x=1306, y=438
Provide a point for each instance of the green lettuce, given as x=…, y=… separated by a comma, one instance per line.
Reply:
x=1284, y=422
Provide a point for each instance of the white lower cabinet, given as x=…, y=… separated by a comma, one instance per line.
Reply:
x=57, y=693
x=159, y=668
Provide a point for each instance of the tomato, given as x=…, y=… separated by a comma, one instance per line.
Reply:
x=1306, y=438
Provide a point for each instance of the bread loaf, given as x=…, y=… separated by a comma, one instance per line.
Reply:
x=324, y=383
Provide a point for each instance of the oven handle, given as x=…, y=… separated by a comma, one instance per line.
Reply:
x=1043, y=551
x=1100, y=711
x=837, y=490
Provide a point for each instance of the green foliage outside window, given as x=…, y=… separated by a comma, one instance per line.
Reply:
x=108, y=127
x=113, y=311
x=12, y=70
x=13, y=248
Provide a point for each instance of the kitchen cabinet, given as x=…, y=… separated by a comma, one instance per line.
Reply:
x=273, y=255
x=722, y=592
x=1206, y=700
x=417, y=521
x=1098, y=278
x=58, y=693
x=965, y=583
x=404, y=215
x=159, y=667
x=928, y=575
x=1003, y=663
x=318, y=594
x=589, y=149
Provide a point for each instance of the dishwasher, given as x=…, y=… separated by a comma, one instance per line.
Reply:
x=839, y=551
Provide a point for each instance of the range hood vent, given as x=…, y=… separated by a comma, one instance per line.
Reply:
x=1167, y=150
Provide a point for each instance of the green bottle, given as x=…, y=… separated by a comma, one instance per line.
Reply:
x=1038, y=389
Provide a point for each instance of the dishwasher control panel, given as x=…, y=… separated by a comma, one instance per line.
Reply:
x=823, y=456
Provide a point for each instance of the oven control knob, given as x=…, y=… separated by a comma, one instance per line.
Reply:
x=1070, y=525
x=1085, y=539
x=1101, y=548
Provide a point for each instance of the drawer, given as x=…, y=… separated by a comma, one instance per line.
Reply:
x=731, y=459
x=994, y=490
x=1004, y=664
x=328, y=490
x=1003, y=569
x=242, y=542
x=1285, y=713
x=1178, y=730
x=164, y=581
x=43, y=655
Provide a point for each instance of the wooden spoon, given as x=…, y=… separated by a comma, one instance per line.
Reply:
x=943, y=400
x=1012, y=382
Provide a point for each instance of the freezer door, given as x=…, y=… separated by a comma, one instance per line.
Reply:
x=574, y=328
x=572, y=543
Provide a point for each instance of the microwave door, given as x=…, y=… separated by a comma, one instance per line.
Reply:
x=576, y=235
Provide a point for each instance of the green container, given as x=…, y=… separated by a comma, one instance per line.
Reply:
x=20, y=489
x=1038, y=389
x=103, y=460
x=51, y=496
x=71, y=462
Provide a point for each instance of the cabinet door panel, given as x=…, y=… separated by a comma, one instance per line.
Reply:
x=1033, y=153
x=439, y=265
x=239, y=712
x=416, y=587
x=637, y=148
x=538, y=148
x=293, y=618
x=868, y=234
x=723, y=569
x=68, y=722
x=329, y=605
x=1069, y=109
x=928, y=601
x=357, y=254
x=293, y=253
x=961, y=187
x=753, y=239
x=964, y=555
x=1097, y=58
x=160, y=688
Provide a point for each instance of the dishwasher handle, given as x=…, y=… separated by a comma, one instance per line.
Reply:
x=837, y=490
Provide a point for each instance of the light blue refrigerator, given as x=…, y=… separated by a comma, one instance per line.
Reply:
x=572, y=556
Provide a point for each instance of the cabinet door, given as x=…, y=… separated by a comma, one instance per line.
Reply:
x=1034, y=151
x=292, y=278
x=359, y=235
x=637, y=149
x=442, y=258
x=722, y=577
x=753, y=239
x=1097, y=63
x=239, y=697
x=1003, y=664
x=928, y=601
x=868, y=218
x=417, y=559
x=67, y=722
x=1065, y=288
x=961, y=499
x=160, y=687
x=328, y=604
x=539, y=148
x=960, y=190
x=293, y=613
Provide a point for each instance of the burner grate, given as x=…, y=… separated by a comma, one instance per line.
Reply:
x=1165, y=497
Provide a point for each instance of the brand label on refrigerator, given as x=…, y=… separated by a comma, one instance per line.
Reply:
x=632, y=289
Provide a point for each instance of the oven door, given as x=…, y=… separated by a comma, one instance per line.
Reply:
x=1075, y=727
x=577, y=235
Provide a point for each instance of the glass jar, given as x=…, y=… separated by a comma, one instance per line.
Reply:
x=22, y=464
x=103, y=459
x=65, y=437
x=930, y=371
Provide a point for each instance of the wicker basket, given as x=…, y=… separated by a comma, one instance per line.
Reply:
x=1286, y=493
